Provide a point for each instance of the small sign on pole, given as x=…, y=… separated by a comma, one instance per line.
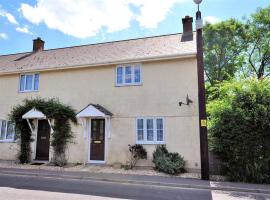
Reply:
x=203, y=123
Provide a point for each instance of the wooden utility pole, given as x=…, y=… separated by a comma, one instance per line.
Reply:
x=202, y=101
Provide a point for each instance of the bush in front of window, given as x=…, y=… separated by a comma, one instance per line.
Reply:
x=137, y=152
x=167, y=162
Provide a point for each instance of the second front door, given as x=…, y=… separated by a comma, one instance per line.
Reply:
x=43, y=140
x=97, y=141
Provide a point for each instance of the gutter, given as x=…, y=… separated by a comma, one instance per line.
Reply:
x=117, y=62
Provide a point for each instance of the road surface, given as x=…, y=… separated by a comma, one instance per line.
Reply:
x=30, y=187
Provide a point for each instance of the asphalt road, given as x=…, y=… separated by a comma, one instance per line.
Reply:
x=32, y=188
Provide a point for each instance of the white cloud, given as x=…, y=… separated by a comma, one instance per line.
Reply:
x=85, y=18
x=152, y=12
x=3, y=36
x=12, y=20
x=8, y=16
x=23, y=30
x=211, y=19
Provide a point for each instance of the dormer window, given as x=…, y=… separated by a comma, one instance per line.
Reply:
x=129, y=74
x=29, y=82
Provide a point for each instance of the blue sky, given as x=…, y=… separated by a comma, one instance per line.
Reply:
x=64, y=23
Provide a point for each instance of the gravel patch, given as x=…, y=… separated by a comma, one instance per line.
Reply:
x=102, y=169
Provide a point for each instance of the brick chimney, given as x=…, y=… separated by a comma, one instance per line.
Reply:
x=187, y=29
x=38, y=44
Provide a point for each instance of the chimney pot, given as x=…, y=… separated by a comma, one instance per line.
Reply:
x=38, y=44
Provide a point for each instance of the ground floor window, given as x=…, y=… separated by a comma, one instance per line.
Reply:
x=7, y=131
x=150, y=130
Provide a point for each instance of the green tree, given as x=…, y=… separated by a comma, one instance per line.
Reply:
x=239, y=129
x=257, y=42
x=222, y=50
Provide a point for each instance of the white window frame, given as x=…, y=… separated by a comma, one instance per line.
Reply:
x=33, y=83
x=132, y=75
x=145, y=141
x=5, y=135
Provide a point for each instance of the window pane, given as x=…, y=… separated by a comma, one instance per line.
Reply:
x=137, y=74
x=140, y=124
x=3, y=129
x=101, y=125
x=140, y=135
x=140, y=129
x=10, y=130
x=29, y=81
x=128, y=74
x=150, y=129
x=160, y=130
x=159, y=124
x=22, y=82
x=36, y=82
x=159, y=135
x=119, y=75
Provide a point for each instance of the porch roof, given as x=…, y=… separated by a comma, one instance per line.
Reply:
x=94, y=110
x=34, y=114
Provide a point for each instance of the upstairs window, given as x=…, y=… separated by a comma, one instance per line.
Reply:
x=128, y=75
x=7, y=131
x=150, y=131
x=29, y=82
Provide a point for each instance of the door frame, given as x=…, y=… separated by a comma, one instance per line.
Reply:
x=36, y=136
x=35, y=143
x=89, y=121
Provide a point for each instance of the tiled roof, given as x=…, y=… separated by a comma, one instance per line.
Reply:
x=102, y=109
x=86, y=111
x=134, y=50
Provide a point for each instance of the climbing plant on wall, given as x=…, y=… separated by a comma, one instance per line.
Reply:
x=63, y=116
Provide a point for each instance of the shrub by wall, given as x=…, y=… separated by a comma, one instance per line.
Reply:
x=239, y=129
x=137, y=152
x=170, y=163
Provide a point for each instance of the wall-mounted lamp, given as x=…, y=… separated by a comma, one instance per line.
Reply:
x=188, y=101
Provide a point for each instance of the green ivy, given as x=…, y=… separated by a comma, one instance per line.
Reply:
x=62, y=114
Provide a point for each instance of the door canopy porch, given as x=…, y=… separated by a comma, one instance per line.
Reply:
x=94, y=111
x=35, y=115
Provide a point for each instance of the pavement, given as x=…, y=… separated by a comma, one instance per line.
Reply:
x=142, y=180
x=21, y=194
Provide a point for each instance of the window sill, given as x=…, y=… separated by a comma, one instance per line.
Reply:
x=7, y=141
x=129, y=84
x=28, y=91
x=150, y=142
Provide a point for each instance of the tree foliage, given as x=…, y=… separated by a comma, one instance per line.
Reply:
x=233, y=48
x=239, y=129
x=257, y=43
x=53, y=109
x=222, y=50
